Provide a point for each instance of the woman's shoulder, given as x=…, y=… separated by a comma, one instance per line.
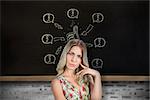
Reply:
x=57, y=79
x=54, y=81
x=57, y=88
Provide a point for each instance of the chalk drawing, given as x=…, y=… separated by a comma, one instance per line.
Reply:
x=75, y=31
x=50, y=59
x=70, y=36
x=58, y=26
x=88, y=29
x=89, y=45
x=58, y=50
x=73, y=13
x=48, y=18
x=97, y=17
x=47, y=39
x=97, y=63
x=99, y=42
x=56, y=39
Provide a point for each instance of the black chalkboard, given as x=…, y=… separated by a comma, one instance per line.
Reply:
x=33, y=34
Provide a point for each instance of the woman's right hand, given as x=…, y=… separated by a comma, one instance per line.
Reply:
x=89, y=71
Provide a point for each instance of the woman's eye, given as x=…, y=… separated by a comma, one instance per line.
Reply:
x=71, y=53
x=79, y=56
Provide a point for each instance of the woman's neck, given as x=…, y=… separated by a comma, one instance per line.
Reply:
x=69, y=73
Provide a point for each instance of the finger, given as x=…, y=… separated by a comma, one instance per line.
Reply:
x=81, y=73
x=91, y=79
x=83, y=66
x=78, y=73
x=85, y=71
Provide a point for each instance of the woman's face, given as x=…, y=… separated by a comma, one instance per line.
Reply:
x=74, y=57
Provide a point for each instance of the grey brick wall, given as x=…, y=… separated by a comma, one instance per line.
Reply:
x=42, y=91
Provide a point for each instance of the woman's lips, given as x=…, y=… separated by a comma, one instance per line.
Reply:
x=72, y=65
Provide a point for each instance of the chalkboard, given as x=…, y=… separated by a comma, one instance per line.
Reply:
x=33, y=34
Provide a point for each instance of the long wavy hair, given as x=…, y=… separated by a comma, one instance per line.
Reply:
x=62, y=62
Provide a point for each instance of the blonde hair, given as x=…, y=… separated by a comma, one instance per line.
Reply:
x=62, y=62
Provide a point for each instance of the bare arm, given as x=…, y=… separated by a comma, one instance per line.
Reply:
x=95, y=84
x=96, y=87
x=57, y=90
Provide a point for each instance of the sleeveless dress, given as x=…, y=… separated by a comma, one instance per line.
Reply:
x=71, y=92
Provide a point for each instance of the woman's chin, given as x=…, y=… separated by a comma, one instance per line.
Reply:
x=72, y=67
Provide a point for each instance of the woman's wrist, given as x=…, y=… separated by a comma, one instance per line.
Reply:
x=97, y=74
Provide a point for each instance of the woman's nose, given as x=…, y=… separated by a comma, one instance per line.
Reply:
x=73, y=59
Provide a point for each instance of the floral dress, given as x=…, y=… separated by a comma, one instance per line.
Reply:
x=71, y=92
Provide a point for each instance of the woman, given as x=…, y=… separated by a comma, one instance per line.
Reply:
x=75, y=80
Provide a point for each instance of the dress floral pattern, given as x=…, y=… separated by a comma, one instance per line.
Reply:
x=71, y=92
